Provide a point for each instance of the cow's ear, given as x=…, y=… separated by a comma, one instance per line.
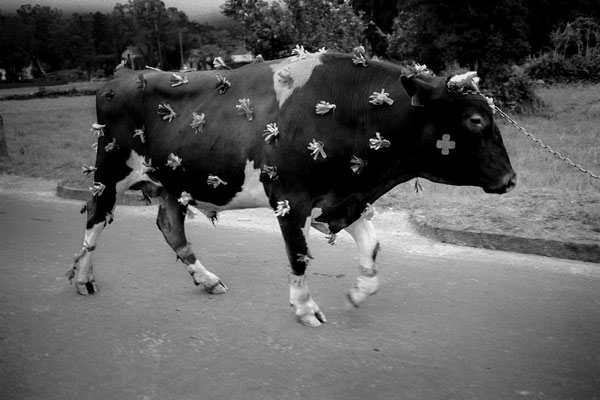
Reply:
x=422, y=90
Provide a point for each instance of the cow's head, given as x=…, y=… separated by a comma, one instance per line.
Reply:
x=459, y=143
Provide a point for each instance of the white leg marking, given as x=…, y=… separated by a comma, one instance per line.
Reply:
x=307, y=310
x=204, y=277
x=367, y=282
x=83, y=263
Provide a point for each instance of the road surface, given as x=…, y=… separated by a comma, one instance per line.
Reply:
x=449, y=323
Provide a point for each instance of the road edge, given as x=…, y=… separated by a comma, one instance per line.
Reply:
x=518, y=244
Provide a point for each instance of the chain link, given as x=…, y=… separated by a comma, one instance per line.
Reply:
x=545, y=146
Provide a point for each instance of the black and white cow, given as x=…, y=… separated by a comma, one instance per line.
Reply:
x=316, y=137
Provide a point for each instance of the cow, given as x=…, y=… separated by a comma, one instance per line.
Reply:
x=317, y=137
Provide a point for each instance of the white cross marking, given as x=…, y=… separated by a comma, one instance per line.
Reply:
x=446, y=144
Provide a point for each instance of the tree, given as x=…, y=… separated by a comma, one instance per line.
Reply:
x=272, y=29
x=474, y=34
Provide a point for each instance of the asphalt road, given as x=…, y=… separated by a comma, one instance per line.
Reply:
x=449, y=322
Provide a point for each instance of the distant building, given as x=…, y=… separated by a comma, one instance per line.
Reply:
x=133, y=57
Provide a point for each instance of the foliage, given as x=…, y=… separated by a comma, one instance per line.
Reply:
x=477, y=35
x=49, y=41
x=552, y=68
x=575, y=56
x=272, y=29
x=513, y=91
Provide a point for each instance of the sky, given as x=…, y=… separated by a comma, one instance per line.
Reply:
x=193, y=8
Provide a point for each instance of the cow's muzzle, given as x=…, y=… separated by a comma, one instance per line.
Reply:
x=508, y=183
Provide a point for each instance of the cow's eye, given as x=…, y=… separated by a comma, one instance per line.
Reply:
x=475, y=120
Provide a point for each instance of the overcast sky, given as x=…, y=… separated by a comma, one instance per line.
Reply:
x=192, y=8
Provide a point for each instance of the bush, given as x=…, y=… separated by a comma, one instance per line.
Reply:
x=513, y=90
x=553, y=68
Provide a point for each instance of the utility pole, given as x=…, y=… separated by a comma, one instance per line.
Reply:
x=3, y=148
x=158, y=43
x=181, y=49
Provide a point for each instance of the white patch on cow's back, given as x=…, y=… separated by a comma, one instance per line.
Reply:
x=252, y=194
x=300, y=72
x=137, y=174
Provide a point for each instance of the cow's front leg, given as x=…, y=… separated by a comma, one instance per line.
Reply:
x=294, y=227
x=170, y=221
x=367, y=282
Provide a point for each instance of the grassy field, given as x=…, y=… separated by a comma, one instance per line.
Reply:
x=51, y=138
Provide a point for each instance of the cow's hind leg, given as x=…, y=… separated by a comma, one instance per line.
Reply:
x=99, y=213
x=170, y=221
x=367, y=282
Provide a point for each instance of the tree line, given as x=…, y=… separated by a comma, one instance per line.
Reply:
x=474, y=34
x=47, y=40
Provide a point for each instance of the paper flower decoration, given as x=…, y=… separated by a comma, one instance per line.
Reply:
x=378, y=142
x=111, y=146
x=491, y=104
x=299, y=53
x=359, y=56
x=380, y=98
x=98, y=129
x=187, y=69
x=331, y=239
x=86, y=169
x=198, y=121
x=303, y=258
x=173, y=161
x=357, y=164
x=141, y=82
x=324, y=107
x=97, y=189
x=368, y=212
x=417, y=69
x=222, y=84
x=185, y=198
x=215, y=181
x=166, y=111
x=148, y=168
x=244, y=108
x=177, y=80
x=271, y=132
x=284, y=76
x=316, y=149
x=271, y=172
x=283, y=208
x=466, y=81
x=218, y=63
x=139, y=132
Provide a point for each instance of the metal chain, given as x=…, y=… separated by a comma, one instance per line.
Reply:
x=545, y=146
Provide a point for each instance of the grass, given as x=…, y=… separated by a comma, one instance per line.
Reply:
x=51, y=138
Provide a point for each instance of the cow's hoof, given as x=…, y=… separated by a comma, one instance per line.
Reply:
x=217, y=288
x=87, y=288
x=312, y=320
x=365, y=287
x=356, y=297
x=309, y=313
